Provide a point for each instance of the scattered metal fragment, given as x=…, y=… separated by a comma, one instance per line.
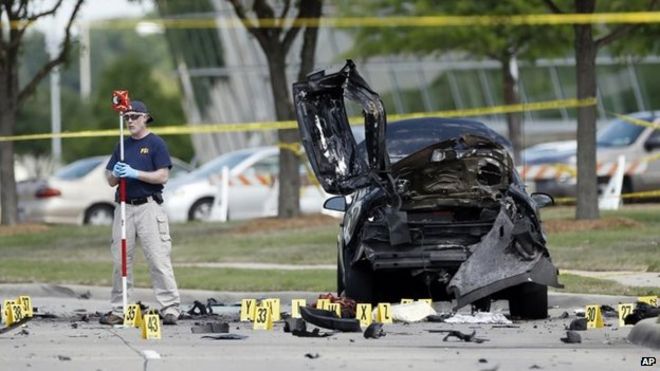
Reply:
x=534, y=367
x=642, y=310
x=85, y=295
x=312, y=355
x=439, y=317
x=24, y=332
x=63, y=358
x=578, y=324
x=564, y=315
x=225, y=337
x=293, y=324
x=483, y=360
x=374, y=331
x=316, y=333
x=608, y=311
x=210, y=328
x=198, y=309
x=461, y=336
x=329, y=320
x=572, y=337
x=74, y=325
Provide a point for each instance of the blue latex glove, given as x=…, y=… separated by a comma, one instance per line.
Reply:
x=126, y=171
x=116, y=170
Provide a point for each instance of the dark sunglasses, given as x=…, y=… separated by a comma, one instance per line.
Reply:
x=132, y=116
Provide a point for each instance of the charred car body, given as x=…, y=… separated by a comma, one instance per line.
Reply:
x=433, y=207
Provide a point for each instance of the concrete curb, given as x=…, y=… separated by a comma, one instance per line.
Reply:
x=646, y=333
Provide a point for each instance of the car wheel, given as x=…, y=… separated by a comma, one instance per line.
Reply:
x=359, y=284
x=529, y=301
x=99, y=215
x=201, y=210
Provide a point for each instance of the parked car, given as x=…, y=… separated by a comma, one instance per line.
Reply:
x=78, y=193
x=549, y=167
x=433, y=207
x=253, y=188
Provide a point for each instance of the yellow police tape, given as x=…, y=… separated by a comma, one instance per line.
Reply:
x=402, y=21
x=277, y=125
x=636, y=121
x=633, y=195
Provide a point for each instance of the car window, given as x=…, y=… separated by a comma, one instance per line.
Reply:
x=78, y=169
x=620, y=133
x=178, y=170
x=215, y=166
x=266, y=166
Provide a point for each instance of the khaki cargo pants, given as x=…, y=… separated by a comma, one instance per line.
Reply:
x=148, y=222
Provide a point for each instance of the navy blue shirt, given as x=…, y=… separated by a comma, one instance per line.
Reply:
x=146, y=154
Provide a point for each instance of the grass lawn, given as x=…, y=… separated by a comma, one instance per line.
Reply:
x=624, y=240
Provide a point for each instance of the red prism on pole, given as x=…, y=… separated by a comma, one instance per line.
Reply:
x=121, y=104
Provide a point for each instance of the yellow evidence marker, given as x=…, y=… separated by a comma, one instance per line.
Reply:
x=427, y=301
x=406, y=301
x=133, y=316
x=335, y=307
x=384, y=313
x=263, y=319
x=151, y=326
x=650, y=300
x=26, y=304
x=12, y=311
x=274, y=304
x=624, y=310
x=363, y=314
x=247, y=309
x=594, y=316
x=295, y=307
x=322, y=304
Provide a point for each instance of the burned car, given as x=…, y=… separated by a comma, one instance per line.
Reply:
x=433, y=207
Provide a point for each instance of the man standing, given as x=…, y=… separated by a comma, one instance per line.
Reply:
x=146, y=168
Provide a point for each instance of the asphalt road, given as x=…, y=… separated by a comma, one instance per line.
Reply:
x=56, y=345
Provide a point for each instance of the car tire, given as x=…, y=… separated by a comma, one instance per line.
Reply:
x=359, y=283
x=529, y=300
x=99, y=215
x=201, y=210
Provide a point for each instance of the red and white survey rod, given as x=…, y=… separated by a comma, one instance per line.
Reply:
x=121, y=104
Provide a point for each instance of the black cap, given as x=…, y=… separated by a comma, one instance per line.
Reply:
x=139, y=106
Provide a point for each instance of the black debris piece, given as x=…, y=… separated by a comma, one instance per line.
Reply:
x=74, y=325
x=461, y=336
x=374, y=331
x=505, y=326
x=63, y=358
x=608, y=311
x=14, y=326
x=24, y=332
x=578, y=324
x=225, y=337
x=210, y=328
x=572, y=337
x=85, y=295
x=642, y=310
x=564, y=315
x=483, y=360
x=312, y=355
x=329, y=320
x=294, y=324
x=438, y=317
x=198, y=309
x=316, y=333
x=535, y=367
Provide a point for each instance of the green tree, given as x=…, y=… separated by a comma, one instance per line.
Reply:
x=505, y=44
x=19, y=15
x=135, y=75
x=589, y=39
x=276, y=43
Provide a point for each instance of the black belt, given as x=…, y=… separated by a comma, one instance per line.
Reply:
x=138, y=201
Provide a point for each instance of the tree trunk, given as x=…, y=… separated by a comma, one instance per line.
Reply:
x=8, y=202
x=513, y=119
x=585, y=59
x=288, y=204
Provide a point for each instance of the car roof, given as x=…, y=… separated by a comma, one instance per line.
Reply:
x=437, y=129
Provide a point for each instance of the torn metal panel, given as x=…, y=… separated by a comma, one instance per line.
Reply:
x=326, y=134
x=328, y=319
x=502, y=260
